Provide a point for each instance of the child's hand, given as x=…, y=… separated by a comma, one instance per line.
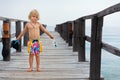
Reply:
x=52, y=37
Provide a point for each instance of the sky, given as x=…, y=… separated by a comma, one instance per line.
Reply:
x=54, y=12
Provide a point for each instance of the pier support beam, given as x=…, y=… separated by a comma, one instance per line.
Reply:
x=6, y=40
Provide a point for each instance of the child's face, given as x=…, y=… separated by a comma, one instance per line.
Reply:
x=34, y=18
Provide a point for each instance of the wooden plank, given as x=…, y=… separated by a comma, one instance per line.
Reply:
x=110, y=10
x=111, y=49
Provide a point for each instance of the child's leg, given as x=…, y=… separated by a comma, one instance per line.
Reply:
x=38, y=62
x=31, y=56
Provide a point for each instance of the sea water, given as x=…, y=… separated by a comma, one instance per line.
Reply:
x=110, y=64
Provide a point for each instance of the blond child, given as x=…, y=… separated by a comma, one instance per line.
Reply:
x=33, y=27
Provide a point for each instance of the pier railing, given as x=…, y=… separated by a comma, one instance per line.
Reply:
x=6, y=35
x=73, y=32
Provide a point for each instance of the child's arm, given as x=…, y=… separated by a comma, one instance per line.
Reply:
x=46, y=31
x=22, y=33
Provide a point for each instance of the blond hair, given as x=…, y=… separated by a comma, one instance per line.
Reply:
x=34, y=12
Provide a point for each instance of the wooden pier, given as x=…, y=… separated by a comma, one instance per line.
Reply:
x=57, y=63
x=67, y=61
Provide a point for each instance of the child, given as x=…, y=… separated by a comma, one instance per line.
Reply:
x=34, y=27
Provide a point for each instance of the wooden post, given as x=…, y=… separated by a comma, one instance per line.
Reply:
x=96, y=44
x=70, y=33
x=64, y=31
x=26, y=36
x=57, y=28
x=61, y=29
x=18, y=31
x=81, y=40
x=75, y=36
x=41, y=32
x=6, y=40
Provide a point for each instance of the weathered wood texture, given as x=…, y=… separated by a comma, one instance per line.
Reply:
x=6, y=40
x=6, y=36
x=107, y=11
x=70, y=33
x=18, y=31
x=57, y=63
x=95, y=52
x=79, y=38
x=26, y=36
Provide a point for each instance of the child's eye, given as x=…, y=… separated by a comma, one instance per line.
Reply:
x=35, y=16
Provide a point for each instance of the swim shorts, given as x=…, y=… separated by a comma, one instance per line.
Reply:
x=33, y=47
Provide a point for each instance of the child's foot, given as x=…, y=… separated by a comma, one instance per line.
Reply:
x=29, y=70
x=38, y=69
